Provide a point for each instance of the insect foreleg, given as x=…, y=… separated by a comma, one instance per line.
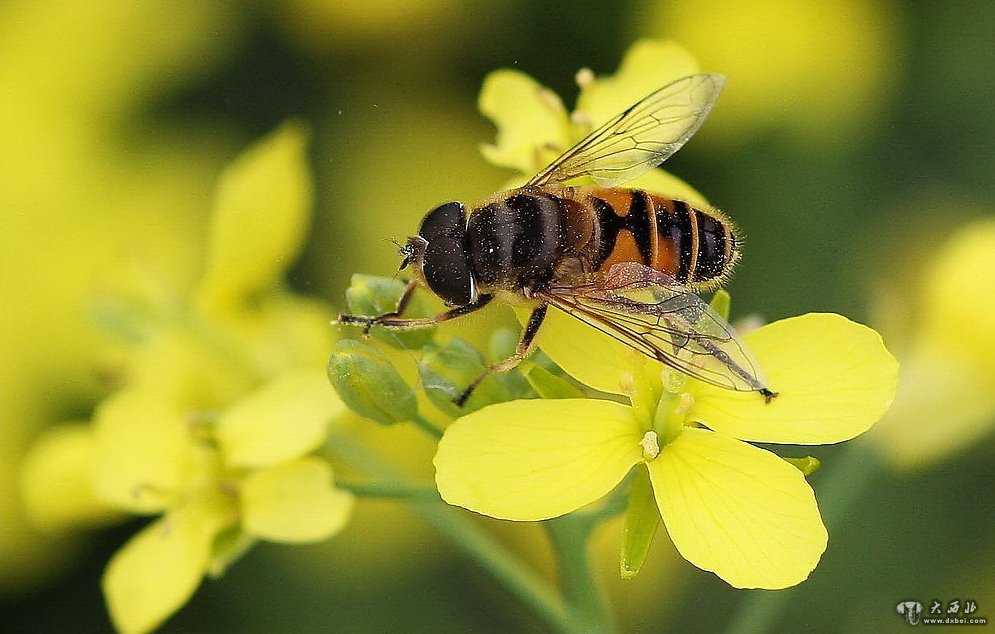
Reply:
x=521, y=351
x=405, y=298
x=369, y=321
x=394, y=319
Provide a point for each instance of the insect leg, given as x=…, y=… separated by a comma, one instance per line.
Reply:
x=396, y=321
x=405, y=298
x=521, y=351
x=369, y=322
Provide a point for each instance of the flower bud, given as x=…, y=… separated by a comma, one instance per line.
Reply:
x=502, y=344
x=375, y=296
x=446, y=372
x=368, y=383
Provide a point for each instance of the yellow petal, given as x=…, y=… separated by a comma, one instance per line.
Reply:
x=648, y=65
x=962, y=314
x=285, y=333
x=260, y=217
x=533, y=459
x=180, y=367
x=294, y=502
x=532, y=125
x=56, y=481
x=284, y=419
x=143, y=451
x=159, y=569
x=834, y=379
x=944, y=404
x=738, y=511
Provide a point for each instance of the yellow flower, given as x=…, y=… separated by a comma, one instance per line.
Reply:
x=946, y=397
x=224, y=400
x=219, y=486
x=72, y=182
x=534, y=127
x=730, y=507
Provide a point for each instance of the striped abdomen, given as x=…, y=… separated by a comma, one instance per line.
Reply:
x=519, y=239
x=669, y=235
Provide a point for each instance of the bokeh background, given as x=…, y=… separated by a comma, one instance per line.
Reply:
x=853, y=139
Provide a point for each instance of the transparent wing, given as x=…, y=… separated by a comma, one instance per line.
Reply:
x=647, y=310
x=640, y=138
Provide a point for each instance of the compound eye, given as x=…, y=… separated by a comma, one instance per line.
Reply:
x=448, y=220
x=447, y=271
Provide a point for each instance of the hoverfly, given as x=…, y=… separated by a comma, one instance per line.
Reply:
x=625, y=261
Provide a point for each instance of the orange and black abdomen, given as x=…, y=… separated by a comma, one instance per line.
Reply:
x=669, y=235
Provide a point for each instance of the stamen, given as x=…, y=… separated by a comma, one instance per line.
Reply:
x=584, y=77
x=651, y=445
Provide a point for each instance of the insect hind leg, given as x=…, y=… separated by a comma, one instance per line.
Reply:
x=521, y=352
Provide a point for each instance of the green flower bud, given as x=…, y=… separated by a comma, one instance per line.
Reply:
x=446, y=371
x=502, y=344
x=368, y=383
x=375, y=296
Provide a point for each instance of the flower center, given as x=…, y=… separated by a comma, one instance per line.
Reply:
x=672, y=414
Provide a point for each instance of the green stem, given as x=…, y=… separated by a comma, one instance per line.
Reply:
x=503, y=566
x=386, y=489
x=849, y=478
x=571, y=536
x=427, y=426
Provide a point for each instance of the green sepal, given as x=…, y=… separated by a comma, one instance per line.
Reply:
x=549, y=385
x=447, y=370
x=369, y=384
x=641, y=520
x=229, y=546
x=374, y=296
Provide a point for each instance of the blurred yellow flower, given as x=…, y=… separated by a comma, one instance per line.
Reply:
x=56, y=481
x=224, y=398
x=534, y=127
x=946, y=397
x=247, y=476
x=331, y=25
x=820, y=69
x=729, y=507
x=88, y=177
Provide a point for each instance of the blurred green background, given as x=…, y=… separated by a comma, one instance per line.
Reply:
x=853, y=138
